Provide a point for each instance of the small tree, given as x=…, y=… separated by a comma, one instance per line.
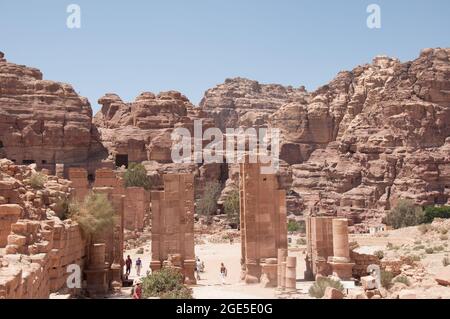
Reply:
x=432, y=212
x=207, y=205
x=231, y=206
x=293, y=226
x=136, y=176
x=317, y=290
x=405, y=214
x=94, y=215
x=37, y=180
x=166, y=283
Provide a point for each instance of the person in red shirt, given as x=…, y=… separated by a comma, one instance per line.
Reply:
x=137, y=291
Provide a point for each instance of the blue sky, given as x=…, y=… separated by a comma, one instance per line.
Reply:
x=128, y=47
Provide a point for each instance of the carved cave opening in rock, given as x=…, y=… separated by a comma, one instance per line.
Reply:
x=28, y=162
x=122, y=160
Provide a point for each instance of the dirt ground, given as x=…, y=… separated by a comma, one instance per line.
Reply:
x=209, y=286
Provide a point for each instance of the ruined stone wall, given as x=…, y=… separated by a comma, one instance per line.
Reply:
x=37, y=256
x=80, y=183
x=9, y=214
x=263, y=218
x=173, y=225
x=362, y=261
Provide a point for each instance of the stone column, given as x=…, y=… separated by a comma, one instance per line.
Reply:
x=340, y=262
x=97, y=271
x=282, y=254
x=291, y=273
x=283, y=275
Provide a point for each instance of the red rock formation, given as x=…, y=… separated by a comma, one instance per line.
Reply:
x=242, y=102
x=44, y=122
x=387, y=126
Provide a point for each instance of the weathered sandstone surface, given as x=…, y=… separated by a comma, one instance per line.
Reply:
x=44, y=122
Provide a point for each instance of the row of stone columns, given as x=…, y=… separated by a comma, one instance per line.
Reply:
x=286, y=271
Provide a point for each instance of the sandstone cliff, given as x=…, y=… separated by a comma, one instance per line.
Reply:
x=44, y=122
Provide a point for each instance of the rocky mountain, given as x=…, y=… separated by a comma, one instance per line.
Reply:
x=245, y=103
x=353, y=147
x=44, y=122
x=388, y=125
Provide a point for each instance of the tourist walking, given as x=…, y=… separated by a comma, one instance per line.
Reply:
x=138, y=266
x=223, y=273
x=128, y=263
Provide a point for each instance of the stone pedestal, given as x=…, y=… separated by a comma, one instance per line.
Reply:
x=269, y=275
x=252, y=272
x=340, y=261
x=291, y=274
x=189, y=272
x=97, y=271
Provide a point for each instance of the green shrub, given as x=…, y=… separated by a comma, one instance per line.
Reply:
x=207, y=205
x=386, y=279
x=417, y=242
x=293, y=226
x=166, y=283
x=379, y=254
x=404, y=214
x=37, y=180
x=94, y=215
x=429, y=250
x=402, y=279
x=443, y=237
x=136, y=176
x=317, y=290
x=301, y=241
x=231, y=206
x=432, y=212
x=419, y=247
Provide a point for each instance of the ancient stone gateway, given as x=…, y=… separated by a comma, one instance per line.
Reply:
x=173, y=225
x=263, y=223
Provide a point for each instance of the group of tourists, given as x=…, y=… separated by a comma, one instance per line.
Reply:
x=137, y=285
x=129, y=263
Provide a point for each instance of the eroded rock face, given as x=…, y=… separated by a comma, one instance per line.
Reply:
x=374, y=134
x=44, y=122
x=141, y=130
x=245, y=103
x=353, y=147
x=388, y=126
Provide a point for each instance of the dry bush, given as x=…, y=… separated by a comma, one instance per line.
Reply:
x=94, y=215
x=38, y=180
